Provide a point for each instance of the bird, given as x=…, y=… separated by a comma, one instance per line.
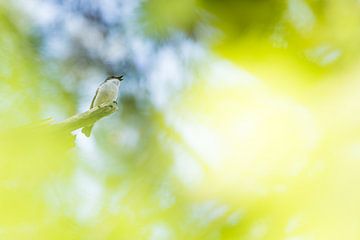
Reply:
x=107, y=92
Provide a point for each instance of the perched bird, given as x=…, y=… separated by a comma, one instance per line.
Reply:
x=107, y=92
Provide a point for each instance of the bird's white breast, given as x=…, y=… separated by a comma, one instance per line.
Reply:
x=107, y=93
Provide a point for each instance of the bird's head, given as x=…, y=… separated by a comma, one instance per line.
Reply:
x=113, y=77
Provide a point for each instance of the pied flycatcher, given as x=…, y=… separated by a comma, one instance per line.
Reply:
x=107, y=92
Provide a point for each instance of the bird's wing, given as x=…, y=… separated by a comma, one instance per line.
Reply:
x=93, y=100
x=97, y=91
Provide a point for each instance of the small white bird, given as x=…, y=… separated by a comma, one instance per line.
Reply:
x=107, y=92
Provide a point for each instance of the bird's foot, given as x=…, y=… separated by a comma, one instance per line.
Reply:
x=115, y=102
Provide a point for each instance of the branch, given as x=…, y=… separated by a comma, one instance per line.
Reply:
x=87, y=118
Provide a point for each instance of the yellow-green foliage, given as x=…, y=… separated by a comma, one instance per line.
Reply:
x=229, y=157
x=32, y=158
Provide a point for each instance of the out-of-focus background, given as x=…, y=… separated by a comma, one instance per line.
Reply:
x=238, y=119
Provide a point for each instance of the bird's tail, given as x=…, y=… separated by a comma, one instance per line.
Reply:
x=87, y=130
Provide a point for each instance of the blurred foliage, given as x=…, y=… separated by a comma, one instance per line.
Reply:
x=31, y=157
x=264, y=147
x=162, y=17
x=292, y=44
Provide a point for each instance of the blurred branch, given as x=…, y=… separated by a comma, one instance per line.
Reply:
x=87, y=118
